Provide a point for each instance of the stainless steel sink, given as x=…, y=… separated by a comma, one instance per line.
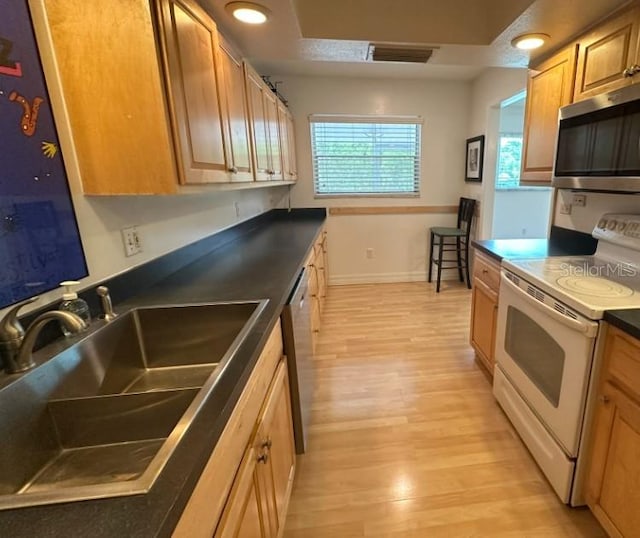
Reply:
x=102, y=418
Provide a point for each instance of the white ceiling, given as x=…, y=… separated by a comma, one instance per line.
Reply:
x=331, y=37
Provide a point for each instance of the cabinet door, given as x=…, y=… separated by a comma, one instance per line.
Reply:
x=112, y=85
x=484, y=310
x=287, y=143
x=549, y=87
x=258, y=122
x=275, y=435
x=237, y=115
x=275, y=153
x=194, y=79
x=604, y=55
x=613, y=491
x=243, y=516
x=283, y=114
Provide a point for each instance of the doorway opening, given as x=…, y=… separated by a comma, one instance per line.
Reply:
x=518, y=212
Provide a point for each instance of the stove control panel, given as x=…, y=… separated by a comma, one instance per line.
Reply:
x=619, y=229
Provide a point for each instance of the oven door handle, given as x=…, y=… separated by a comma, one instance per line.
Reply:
x=588, y=328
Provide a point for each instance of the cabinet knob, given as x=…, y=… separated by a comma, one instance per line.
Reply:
x=631, y=70
x=263, y=458
x=233, y=169
x=485, y=271
x=604, y=399
x=267, y=443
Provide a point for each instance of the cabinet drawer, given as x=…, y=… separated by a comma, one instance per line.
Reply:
x=623, y=368
x=487, y=271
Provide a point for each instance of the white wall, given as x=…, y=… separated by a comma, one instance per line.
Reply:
x=399, y=242
x=165, y=223
x=585, y=218
x=487, y=91
x=521, y=213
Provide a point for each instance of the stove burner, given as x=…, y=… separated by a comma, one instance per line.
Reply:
x=594, y=286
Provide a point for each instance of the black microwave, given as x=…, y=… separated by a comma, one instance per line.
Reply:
x=598, y=144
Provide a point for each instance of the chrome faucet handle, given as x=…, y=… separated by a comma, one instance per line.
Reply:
x=10, y=327
x=107, y=306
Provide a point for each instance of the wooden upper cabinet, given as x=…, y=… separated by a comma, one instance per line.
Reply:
x=550, y=86
x=237, y=115
x=194, y=75
x=259, y=124
x=275, y=152
x=605, y=54
x=287, y=142
x=112, y=85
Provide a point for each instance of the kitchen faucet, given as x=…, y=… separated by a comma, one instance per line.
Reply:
x=16, y=344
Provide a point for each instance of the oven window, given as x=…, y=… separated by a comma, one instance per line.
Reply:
x=536, y=353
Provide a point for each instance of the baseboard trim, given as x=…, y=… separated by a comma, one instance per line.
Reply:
x=382, y=278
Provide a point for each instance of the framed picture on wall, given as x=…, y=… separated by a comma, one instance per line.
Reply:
x=475, y=154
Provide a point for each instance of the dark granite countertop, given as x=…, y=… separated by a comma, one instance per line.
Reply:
x=561, y=242
x=263, y=263
x=626, y=320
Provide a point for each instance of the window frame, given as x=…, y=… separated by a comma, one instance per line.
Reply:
x=417, y=121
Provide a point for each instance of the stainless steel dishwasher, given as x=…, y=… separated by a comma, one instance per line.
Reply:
x=296, y=328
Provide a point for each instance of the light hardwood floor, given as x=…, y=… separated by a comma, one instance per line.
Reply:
x=406, y=439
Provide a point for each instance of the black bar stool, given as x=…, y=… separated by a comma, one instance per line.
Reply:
x=461, y=233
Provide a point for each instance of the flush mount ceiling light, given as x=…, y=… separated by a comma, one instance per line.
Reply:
x=248, y=12
x=529, y=41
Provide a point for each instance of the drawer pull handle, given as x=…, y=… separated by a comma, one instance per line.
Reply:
x=267, y=443
x=263, y=458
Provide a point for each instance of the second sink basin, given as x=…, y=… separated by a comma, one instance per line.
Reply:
x=150, y=349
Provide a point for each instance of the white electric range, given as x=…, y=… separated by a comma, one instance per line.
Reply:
x=547, y=338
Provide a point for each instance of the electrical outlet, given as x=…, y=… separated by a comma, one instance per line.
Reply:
x=131, y=240
x=565, y=209
x=369, y=253
x=579, y=200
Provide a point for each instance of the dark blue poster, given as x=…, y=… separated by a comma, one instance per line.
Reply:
x=39, y=240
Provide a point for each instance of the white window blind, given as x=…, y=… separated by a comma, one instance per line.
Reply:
x=366, y=155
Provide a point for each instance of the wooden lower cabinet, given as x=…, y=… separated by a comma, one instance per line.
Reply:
x=244, y=488
x=483, y=322
x=318, y=270
x=484, y=309
x=613, y=480
x=244, y=517
x=258, y=503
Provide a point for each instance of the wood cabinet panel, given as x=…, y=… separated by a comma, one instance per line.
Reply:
x=484, y=315
x=275, y=153
x=112, y=85
x=613, y=475
x=287, y=143
x=259, y=126
x=243, y=515
x=276, y=434
x=200, y=516
x=604, y=55
x=237, y=114
x=614, y=481
x=484, y=308
x=549, y=87
x=194, y=80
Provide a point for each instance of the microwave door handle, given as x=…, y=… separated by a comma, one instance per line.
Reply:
x=589, y=329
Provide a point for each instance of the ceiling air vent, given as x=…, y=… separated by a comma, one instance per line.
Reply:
x=399, y=53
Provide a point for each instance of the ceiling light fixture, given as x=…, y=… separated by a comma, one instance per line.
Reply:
x=248, y=12
x=529, y=41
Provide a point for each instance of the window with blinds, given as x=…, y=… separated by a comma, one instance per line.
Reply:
x=366, y=155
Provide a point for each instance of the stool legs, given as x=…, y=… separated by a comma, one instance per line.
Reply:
x=459, y=255
x=466, y=263
x=440, y=246
x=430, y=256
